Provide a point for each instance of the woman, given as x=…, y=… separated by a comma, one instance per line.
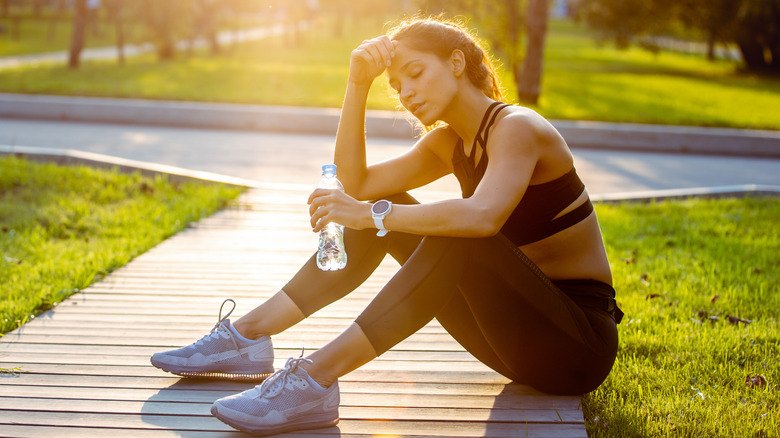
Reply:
x=516, y=270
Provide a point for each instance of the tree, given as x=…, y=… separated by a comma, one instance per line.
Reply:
x=623, y=20
x=165, y=23
x=504, y=23
x=116, y=14
x=77, y=40
x=714, y=18
x=758, y=34
x=754, y=25
x=529, y=81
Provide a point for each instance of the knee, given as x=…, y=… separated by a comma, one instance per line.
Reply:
x=445, y=246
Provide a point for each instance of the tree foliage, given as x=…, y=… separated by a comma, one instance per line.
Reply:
x=621, y=20
x=753, y=25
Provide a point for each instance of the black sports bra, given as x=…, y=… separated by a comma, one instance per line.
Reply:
x=534, y=218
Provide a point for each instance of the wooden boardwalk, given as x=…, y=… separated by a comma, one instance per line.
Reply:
x=85, y=367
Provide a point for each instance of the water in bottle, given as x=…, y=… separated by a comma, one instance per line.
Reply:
x=331, y=255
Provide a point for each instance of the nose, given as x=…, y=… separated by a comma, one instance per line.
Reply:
x=406, y=94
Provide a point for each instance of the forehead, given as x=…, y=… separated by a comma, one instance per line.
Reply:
x=406, y=56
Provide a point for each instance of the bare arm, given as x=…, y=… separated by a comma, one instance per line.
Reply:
x=367, y=62
x=417, y=167
x=513, y=149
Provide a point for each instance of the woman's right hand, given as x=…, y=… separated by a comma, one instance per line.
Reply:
x=370, y=59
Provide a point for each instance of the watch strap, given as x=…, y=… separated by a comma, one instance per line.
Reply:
x=380, y=225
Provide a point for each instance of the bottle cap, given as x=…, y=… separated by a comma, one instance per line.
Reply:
x=329, y=169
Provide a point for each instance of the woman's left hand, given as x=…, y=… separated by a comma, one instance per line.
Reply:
x=331, y=205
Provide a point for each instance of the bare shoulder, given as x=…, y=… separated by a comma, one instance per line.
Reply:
x=439, y=141
x=528, y=133
x=442, y=135
x=524, y=124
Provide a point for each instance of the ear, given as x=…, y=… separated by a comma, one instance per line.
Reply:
x=458, y=62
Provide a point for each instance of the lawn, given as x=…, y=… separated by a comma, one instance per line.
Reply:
x=30, y=35
x=63, y=228
x=51, y=32
x=582, y=81
x=698, y=281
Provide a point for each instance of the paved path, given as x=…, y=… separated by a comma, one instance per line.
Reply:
x=384, y=124
x=295, y=159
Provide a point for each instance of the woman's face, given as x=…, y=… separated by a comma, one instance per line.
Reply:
x=424, y=82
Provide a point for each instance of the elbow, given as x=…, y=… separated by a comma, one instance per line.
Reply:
x=486, y=224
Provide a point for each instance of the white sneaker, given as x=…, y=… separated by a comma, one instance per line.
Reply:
x=221, y=355
x=287, y=401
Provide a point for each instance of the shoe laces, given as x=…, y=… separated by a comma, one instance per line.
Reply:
x=219, y=327
x=274, y=385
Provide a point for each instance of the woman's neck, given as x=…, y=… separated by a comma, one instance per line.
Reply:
x=465, y=113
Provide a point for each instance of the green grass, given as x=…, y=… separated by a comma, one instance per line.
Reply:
x=586, y=82
x=39, y=35
x=582, y=81
x=62, y=228
x=261, y=72
x=680, y=269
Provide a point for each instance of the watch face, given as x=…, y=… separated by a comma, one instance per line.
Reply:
x=380, y=207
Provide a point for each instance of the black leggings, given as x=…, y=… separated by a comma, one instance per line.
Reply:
x=559, y=337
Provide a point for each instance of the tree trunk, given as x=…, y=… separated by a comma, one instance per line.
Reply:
x=120, y=35
x=752, y=53
x=77, y=40
x=711, y=46
x=529, y=84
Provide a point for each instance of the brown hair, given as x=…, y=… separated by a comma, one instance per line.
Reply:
x=441, y=36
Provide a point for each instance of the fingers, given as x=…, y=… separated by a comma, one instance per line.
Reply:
x=321, y=203
x=377, y=52
x=317, y=210
x=386, y=50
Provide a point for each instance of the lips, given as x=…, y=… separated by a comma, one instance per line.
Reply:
x=414, y=107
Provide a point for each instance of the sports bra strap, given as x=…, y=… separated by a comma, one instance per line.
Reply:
x=484, y=129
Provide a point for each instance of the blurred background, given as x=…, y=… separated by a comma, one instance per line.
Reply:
x=680, y=62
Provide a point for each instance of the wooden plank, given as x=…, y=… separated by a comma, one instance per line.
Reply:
x=461, y=368
x=377, y=427
x=75, y=358
x=410, y=344
x=33, y=431
x=169, y=382
x=373, y=371
x=428, y=341
x=347, y=410
x=368, y=397
x=176, y=331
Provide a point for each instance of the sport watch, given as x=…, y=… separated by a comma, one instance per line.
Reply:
x=379, y=211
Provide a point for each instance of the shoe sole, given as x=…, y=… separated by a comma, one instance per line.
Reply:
x=217, y=375
x=294, y=427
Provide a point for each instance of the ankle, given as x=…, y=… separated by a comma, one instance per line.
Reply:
x=322, y=379
x=244, y=329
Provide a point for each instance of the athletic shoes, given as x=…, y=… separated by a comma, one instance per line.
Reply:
x=221, y=354
x=287, y=401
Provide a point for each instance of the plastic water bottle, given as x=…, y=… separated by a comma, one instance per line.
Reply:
x=331, y=255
